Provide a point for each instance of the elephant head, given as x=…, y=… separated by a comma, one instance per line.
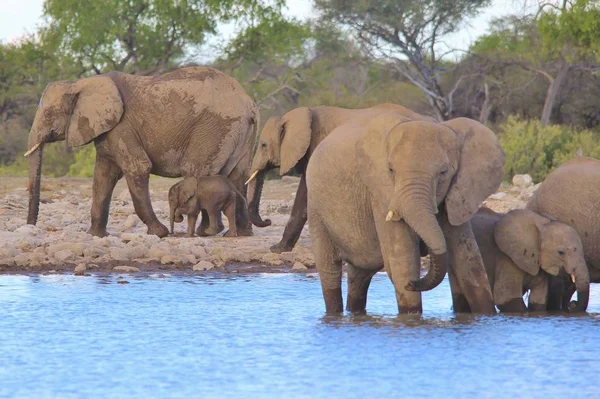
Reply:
x=283, y=142
x=76, y=112
x=182, y=197
x=533, y=242
x=417, y=168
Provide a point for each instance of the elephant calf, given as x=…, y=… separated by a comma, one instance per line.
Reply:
x=521, y=249
x=211, y=194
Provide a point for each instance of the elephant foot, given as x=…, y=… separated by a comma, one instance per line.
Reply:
x=230, y=234
x=98, y=232
x=210, y=232
x=281, y=247
x=159, y=230
x=244, y=231
x=189, y=234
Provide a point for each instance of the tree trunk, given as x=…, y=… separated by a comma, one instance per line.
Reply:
x=553, y=92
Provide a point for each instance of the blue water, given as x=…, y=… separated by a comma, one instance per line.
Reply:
x=264, y=336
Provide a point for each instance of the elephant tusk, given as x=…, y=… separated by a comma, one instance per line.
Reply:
x=32, y=150
x=252, y=176
x=389, y=216
x=573, y=278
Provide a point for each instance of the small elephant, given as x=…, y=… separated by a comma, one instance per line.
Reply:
x=378, y=184
x=211, y=194
x=521, y=250
x=570, y=194
x=287, y=142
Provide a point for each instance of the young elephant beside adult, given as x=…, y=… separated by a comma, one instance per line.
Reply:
x=376, y=185
x=211, y=194
x=287, y=142
x=193, y=121
x=521, y=250
x=571, y=194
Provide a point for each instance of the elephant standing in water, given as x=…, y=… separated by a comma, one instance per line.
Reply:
x=375, y=187
x=194, y=121
x=288, y=141
x=571, y=194
x=521, y=250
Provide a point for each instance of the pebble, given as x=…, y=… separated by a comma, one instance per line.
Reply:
x=80, y=269
x=202, y=266
x=299, y=266
x=126, y=269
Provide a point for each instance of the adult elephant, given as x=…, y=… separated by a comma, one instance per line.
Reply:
x=287, y=142
x=193, y=121
x=571, y=194
x=375, y=187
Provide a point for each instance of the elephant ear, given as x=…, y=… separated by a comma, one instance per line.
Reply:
x=296, y=134
x=98, y=108
x=480, y=169
x=517, y=234
x=372, y=153
x=187, y=189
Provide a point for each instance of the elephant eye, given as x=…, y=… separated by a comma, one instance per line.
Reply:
x=263, y=144
x=444, y=170
x=561, y=252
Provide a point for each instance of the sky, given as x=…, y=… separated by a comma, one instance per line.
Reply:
x=18, y=17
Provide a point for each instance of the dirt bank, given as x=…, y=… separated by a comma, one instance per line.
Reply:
x=59, y=243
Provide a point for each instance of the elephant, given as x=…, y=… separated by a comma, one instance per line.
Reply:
x=570, y=194
x=192, y=121
x=521, y=250
x=379, y=183
x=287, y=142
x=211, y=194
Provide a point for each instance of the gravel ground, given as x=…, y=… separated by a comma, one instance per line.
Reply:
x=59, y=243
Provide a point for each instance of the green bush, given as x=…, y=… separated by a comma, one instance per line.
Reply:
x=535, y=149
x=85, y=160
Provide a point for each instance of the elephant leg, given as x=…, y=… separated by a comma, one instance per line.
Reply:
x=538, y=295
x=214, y=214
x=229, y=212
x=106, y=176
x=358, y=285
x=467, y=267
x=459, y=300
x=140, y=194
x=329, y=266
x=191, y=219
x=556, y=291
x=238, y=177
x=508, y=286
x=297, y=220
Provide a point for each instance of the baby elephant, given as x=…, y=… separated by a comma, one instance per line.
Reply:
x=211, y=194
x=516, y=245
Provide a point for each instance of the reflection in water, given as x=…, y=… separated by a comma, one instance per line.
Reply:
x=266, y=336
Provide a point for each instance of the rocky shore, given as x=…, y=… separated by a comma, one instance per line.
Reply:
x=59, y=243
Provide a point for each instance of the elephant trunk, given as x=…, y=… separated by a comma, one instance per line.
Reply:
x=35, y=175
x=582, y=285
x=417, y=211
x=172, y=219
x=254, y=194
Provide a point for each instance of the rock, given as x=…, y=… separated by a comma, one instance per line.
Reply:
x=299, y=266
x=29, y=229
x=173, y=259
x=272, y=259
x=203, y=265
x=120, y=254
x=76, y=248
x=126, y=269
x=287, y=256
x=522, y=181
x=80, y=269
x=131, y=222
x=498, y=196
x=64, y=255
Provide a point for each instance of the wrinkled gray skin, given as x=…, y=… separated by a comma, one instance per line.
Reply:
x=287, y=142
x=378, y=184
x=193, y=121
x=521, y=250
x=212, y=194
x=571, y=195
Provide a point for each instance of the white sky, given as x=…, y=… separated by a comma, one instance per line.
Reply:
x=18, y=17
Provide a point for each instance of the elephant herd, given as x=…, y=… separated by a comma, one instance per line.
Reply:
x=380, y=187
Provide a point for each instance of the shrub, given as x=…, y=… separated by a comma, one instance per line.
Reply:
x=83, y=165
x=535, y=149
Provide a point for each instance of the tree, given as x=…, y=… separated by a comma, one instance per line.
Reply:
x=560, y=39
x=140, y=36
x=393, y=29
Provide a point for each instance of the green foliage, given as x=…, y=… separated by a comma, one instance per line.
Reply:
x=535, y=149
x=83, y=165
